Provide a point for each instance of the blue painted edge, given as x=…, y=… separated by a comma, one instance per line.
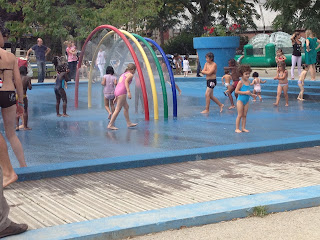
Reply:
x=151, y=159
x=123, y=226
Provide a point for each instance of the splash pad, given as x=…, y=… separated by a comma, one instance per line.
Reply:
x=116, y=43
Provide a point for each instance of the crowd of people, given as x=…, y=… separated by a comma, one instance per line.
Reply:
x=14, y=100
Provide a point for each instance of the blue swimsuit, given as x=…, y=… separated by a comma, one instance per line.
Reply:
x=244, y=98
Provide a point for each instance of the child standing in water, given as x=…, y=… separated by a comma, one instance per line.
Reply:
x=210, y=70
x=109, y=82
x=280, y=57
x=186, y=66
x=243, y=91
x=26, y=84
x=257, y=87
x=282, y=76
x=61, y=83
x=121, y=92
x=226, y=79
x=302, y=77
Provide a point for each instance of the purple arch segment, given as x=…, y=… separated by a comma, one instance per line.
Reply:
x=173, y=85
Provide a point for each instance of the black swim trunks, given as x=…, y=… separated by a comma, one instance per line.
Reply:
x=7, y=99
x=211, y=83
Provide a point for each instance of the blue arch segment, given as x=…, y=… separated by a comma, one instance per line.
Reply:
x=173, y=85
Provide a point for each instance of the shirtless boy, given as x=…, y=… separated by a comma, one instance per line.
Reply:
x=210, y=70
x=226, y=79
x=26, y=84
x=235, y=75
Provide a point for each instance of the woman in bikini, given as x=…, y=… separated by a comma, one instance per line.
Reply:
x=282, y=76
x=121, y=92
x=9, y=108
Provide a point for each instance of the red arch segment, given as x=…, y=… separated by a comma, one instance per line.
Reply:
x=135, y=59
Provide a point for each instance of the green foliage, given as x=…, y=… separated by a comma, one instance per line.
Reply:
x=167, y=17
x=182, y=44
x=296, y=14
x=130, y=13
x=259, y=211
x=221, y=12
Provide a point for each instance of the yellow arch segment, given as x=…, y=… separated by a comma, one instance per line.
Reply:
x=152, y=82
x=94, y=57
x=145, y=58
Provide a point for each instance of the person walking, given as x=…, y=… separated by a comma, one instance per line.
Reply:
x=41, y=52
x=296, y=53
x=10, y=84
x=72, y=59
x=311, y=53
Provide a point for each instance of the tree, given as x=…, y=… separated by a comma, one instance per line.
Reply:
x=224, y=12
x=132, y=13
x=169, y=14
x=295, y=14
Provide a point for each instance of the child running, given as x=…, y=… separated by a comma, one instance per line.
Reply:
x=226, y=79
x=302, y=77
x=109, y=82
x=61, y=83
x=26, y=84
x=243, y=91
x=186, y=66
x=257, y=87
x=121, y=92
x=282, y=76
x=210, y=70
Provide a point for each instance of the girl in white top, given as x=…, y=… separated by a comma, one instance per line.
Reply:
x=257, y=87
x=186, y=66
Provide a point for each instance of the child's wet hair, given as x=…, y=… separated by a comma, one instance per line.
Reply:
x=61, y=68
x=305, y=66
x=226, y=71
x=232, y=62
x=279, y=50
x=282, y=65
x=210, y=55
x=131, y=66
x=255, y=74
x=23, y=70
x=110, y=70
x=244, y=68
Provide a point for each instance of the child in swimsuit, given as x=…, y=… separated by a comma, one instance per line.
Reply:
x=282, y=76
x=226, y=79
x=62, y=78
x=210, y=70
x=121, y=92
x=257, y=87
x=243, y=90
x=233, y=68
x=109, y=82
x=26, y=84
x=302, y=77
x=280, y=57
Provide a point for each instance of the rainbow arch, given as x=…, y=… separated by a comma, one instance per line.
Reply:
x=135, y=39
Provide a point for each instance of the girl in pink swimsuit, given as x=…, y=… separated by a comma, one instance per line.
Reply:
x=121, y=92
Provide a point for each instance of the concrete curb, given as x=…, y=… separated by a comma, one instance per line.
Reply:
x=142, y=223
x=144, y=160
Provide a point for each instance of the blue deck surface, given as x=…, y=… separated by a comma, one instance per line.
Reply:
x=84, y=135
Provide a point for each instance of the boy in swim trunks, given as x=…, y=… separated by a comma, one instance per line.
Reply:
x=233, y=67
x=26, y=84
x=226, y=79
x=243, y=89
x=210, y=70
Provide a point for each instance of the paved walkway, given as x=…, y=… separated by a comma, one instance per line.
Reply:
x=57, y=201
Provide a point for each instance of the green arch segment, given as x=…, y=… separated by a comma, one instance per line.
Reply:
x=163, y=85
